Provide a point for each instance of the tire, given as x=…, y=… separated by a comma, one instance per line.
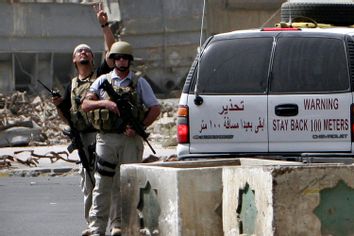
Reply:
x=341, y=14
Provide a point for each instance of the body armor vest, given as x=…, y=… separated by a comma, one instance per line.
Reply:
x=104, y=120
x=79, y=89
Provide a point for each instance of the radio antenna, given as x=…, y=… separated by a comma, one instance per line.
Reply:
x=199, y=54
x=270, y=18
x=290, y=16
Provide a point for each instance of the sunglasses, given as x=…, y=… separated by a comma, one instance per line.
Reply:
x=80, y=50
x=124, y=57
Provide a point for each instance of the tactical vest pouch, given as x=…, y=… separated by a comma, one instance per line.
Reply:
x=95, y=118
x=104, y=120
x=79, y=89
x=79, y=122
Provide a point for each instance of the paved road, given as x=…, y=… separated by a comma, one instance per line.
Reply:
x=41, y=206
x=50, y=204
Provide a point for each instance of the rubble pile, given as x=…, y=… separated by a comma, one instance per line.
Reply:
x=164, y=129
x=28, y=120
x=32, y=120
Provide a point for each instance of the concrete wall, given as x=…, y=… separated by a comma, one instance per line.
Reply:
x=229, y=15
x=289, y=200
x=237, y=197
x=166, y=34
x=37, y=39
x=48, y=27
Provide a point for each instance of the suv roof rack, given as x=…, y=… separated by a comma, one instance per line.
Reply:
x=280, y=29
x=303, y=25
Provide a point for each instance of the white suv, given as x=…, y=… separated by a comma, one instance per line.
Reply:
x=281, y=91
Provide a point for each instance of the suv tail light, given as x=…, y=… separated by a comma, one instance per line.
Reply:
x=182, y=124
x=352, y=122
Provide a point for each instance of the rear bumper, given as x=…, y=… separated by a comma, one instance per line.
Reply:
x=183, y=153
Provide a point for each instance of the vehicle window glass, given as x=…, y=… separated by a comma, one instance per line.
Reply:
x=235, y=66
x=309, y=65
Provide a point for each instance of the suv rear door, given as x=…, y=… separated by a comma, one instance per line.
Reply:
x=233, y=85
x=309, y=97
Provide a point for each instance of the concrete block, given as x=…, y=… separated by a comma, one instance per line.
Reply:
x=173, y=198
x=316, y=199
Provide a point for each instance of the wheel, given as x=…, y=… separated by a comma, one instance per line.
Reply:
x=340, y=14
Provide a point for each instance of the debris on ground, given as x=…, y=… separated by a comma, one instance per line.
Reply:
x=29, y=121
x=33, y=159
x=32, y=120
x=164, y=129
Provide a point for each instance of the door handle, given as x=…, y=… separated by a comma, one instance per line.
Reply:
x=287, y=110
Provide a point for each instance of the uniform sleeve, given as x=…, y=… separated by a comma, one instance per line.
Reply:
x=94, y=88
x=146, y=93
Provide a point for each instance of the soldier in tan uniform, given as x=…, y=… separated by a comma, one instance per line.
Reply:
x=117, y=142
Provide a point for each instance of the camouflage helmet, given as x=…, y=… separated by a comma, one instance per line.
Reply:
x=121, y=48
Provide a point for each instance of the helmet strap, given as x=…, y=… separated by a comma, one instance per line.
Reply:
x=122, y=68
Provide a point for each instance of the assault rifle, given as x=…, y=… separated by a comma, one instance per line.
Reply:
x=74, y=135
x=76, y=143
x=51, y=91
x=126, y=107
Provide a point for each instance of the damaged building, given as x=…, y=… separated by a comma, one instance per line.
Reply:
x=36, y=43
x=37, y=36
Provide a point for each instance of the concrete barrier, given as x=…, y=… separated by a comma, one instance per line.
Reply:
x=289, y=200
x=237, y=197
x=173, y=198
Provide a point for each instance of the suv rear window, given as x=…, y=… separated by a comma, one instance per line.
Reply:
x=303, y=65
x=235, y=66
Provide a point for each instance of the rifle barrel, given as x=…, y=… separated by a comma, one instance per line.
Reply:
x=44, y=86
x=54, y=94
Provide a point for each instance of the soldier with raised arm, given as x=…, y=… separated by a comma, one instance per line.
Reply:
x=69, y=106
